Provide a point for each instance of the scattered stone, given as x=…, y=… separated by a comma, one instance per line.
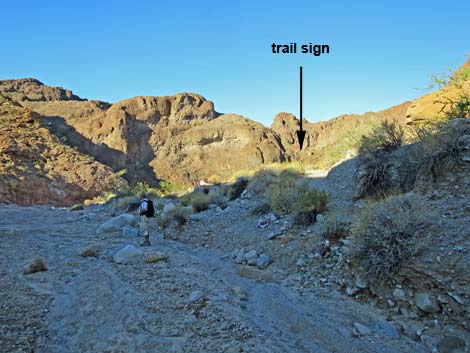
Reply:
x=386, y=329
x=273, y=235
x=456, y=298
x=399, y=294
x=240, y=258
x=256, y=274
x=361, y=329
x=251, y=257
x=117, y=223
x=37, y=265
x=361, y=283
x=451, y=344
x=263, y=261
x=77, y=207
x=300, y=263
x=127, y=254
x=129, y=231
x=195, y=296
x=425, y=303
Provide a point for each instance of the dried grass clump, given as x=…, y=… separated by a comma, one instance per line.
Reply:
x=388, y=234
x=37, y=265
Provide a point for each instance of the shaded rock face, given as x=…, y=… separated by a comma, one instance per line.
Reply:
x=37, y=168
x=179, y=138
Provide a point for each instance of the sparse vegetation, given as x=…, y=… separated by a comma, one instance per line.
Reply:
x=90, y=252
x=308, y=205
x=199, y=201
x=37, y=265
x=387, y=235
x=156, y=258
x=178, y=215
x=336, y=227
x=386, y=137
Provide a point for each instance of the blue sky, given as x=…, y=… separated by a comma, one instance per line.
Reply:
x=382, y=53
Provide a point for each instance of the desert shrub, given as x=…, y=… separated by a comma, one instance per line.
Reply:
x=372, y=178
x=156, y=258
x=386, y=137
x=217, y=196
x=438, y=146
x=387, y=235
x=336, y=227
x=37, y=265
x=284, y=192
x=235, y=190
x=178, y=215
x=261, y=181
x=89, y=253
x=261, y=208
x=198, y=200
x=309, y=204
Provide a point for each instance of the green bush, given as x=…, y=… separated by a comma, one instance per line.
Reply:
x=284, y=193
x=387, y=235
x=336, y=227
x=309, y=204
x=198, y=200
x=261, y=181
x=178, y=215
x=386, y=137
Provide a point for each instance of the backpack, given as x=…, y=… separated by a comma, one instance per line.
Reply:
x=150, y=209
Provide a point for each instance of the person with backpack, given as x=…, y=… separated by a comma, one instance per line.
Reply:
x=146, y=211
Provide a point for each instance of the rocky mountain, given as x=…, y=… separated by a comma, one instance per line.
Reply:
x=183, y=139
x=37, y=167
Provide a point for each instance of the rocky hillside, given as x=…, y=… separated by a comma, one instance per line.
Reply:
x=37, y=167
x=183, y=139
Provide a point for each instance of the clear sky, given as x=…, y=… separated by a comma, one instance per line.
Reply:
x=382, y=53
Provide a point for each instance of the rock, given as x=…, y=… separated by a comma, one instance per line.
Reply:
x=195, y=296
x=451, y=344
x=77, y=207
x=127, y=254
x=273, y=234
x=424, y=302
x=390, y=303
x=428, y=341
x=300, y=263
x=399, y=294
x=320, y=219
x=463, y=144
x=409, y=330
x=129, y=231
x=386, y=329
x=263, y=261
x=456, y=298
x=167, y=209
x=117, y=223
x=351, y=291
x=361, y=329
x=88, y=216
x=240, y=293
x=240, y=258
x=251, y=257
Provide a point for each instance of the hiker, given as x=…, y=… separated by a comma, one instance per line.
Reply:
x=146, y=211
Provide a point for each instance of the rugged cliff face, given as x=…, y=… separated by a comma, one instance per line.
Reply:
x=36, y=167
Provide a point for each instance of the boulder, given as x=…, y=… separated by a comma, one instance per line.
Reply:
x=129, y=231
x=117, y=223
x=251, y=257
x=127, y=254
x=451, y=344
x=263, y=261
x=426, y=303
x=463, y=144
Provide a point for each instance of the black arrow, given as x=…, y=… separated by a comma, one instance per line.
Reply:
x=301, y=132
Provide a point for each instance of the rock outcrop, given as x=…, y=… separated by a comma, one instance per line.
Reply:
x=36, y=167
